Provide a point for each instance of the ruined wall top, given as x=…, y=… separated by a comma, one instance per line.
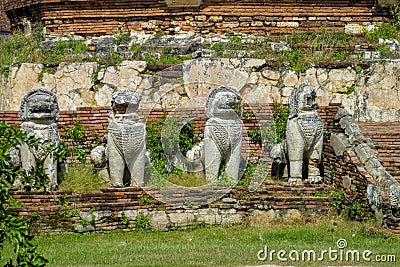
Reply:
x=104, y=17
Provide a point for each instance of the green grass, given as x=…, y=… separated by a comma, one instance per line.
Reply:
x=80, y=177
x=216, y=246
x=188, y=179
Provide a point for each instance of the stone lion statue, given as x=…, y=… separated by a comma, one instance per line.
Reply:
x=39, y=112
x=126, y=139
x=304, y=135
x=223, y=133
x=301, y=151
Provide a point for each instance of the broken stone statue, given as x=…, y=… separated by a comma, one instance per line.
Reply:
x=39, y=112
x=304, y=137
x=223, y=133
x=126, y=140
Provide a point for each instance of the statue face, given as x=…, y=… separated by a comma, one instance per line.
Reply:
x=307, y=99
x=41, y=106
x=125, y=101
x=226, y=100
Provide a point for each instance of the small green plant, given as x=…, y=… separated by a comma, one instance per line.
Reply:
x=354, y=211
x=248, y=174
x=75, y=132
x=337, y=199
x=295, y=58
x=383, y=31
x=125, y=219
x=5, y=72
x=382, y=48
x=80, y=153
x=112, y=59
x=142, y=221
x=180, y=80
x=350, y=90
x=255, y=133
x=95, y=77
x=144, y=199
x=122, y=37
x=168, y=134
x=318, y=193
x=248, y=115
x=235, y=38
x=84, y=222
x=281, y=115
x=218, y=47
x=74, y=212
x=36, y=214
x=358, y=68
x=331, y=172
x=341, y=56
x=42, y=72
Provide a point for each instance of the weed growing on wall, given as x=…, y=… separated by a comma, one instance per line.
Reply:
x=142, y=221
x=383, y=31
x=349, y=208
x=295, y=60
x=281, y=115
x=164, y=132
x=122, y=37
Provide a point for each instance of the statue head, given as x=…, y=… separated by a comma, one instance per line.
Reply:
x=302, y=98
x=223, y=99
x=39, y=104
x=125, y=101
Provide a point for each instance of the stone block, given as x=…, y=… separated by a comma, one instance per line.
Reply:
x=260, y=218
x=339, y=143
x=230, y=219
x=159, y=221
x=271, y=74
x=181, y=219
x=364, y=152
x=347, y=182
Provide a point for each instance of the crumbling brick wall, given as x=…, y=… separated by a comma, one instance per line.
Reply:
x=4, y=22
x=212, y=16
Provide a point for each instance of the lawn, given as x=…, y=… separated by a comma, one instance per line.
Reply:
x=222, y=246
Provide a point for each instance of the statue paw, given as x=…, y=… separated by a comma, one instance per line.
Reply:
x=295, y=182
x=117, y=185
x=315, y=179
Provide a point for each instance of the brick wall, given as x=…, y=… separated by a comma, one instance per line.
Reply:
x=111, y=209
x=213, y=16
x=4, y=22
x=386, y=138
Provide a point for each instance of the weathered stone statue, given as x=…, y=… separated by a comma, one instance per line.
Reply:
x=223, y=133
x=126, y=140
x=39, y=112
x=304, y=136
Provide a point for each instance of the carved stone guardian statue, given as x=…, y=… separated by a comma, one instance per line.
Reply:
x=126, y=140
x=223, y=133
x=304, y=135
x=39, y=112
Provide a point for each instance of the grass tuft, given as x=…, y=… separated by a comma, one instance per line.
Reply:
x=80, y=177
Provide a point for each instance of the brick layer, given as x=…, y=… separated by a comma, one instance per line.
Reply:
x=54, y=211
x=4, y=22
x=386, y=138
x=101, y=17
